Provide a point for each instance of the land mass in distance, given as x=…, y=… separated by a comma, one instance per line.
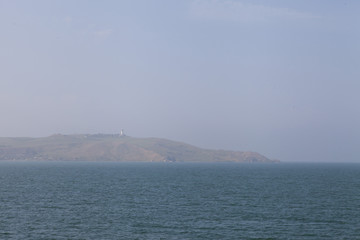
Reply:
x=115, y=147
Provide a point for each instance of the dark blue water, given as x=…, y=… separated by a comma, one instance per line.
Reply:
x=74, y=200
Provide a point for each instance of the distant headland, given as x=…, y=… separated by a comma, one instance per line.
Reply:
x=115, y=147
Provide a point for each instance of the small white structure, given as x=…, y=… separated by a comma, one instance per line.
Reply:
x=122, y=133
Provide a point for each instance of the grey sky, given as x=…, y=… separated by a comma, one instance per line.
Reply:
x=277, y=77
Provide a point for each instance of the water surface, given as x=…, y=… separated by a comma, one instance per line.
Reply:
x=79, y=200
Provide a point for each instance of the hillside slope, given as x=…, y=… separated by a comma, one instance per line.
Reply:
x=106, y=147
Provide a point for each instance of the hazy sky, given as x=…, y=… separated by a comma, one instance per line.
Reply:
x=278, y=77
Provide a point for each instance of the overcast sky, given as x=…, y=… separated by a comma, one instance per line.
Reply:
x=278, y=77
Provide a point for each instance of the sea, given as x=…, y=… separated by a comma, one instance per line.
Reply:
x=109, y=200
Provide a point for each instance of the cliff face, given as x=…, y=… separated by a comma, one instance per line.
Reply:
x=102, y=147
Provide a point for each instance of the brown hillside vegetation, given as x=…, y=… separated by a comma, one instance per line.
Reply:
x=106, y=147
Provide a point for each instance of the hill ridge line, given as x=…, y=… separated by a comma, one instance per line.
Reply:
x=115, y=147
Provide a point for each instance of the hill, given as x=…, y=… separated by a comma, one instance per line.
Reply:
x=107, y=147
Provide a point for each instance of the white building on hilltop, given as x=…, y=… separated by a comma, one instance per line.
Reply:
x=122, y=133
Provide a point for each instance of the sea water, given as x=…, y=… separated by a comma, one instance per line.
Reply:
x=104, y=200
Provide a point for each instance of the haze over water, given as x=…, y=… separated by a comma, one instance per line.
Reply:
x=277, y=77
